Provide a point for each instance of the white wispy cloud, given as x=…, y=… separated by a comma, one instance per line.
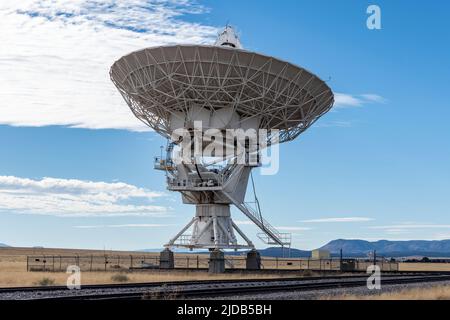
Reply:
x=413, y=229
x=243, y=222
x=441, y=236
x=344, y=100
x=373, y=98
x=335, y=123
x=282, y=228
x=71, y=197
x=411, y=226
x=340, y=219
x=347, y=101
x=55, y=56
x=130, y=225
x=395, y=231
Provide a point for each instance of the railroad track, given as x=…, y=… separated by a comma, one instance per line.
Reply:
x=193, y=282
x=214, y=288
x=167, y=283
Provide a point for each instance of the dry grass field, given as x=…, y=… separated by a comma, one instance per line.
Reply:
x=13, y=269
x=412, y=266
x=438, y=292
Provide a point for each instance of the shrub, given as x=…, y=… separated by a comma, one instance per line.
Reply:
x=307, y=273
x=120, y=277
x=45, y=282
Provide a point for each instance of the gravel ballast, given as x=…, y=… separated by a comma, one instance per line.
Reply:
x=330, y=293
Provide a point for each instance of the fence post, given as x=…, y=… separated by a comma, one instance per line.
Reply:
x=131, y=261
x=90, y=266
x=106, y=261
x=276, y=258
x=53, y=263
x=308, y=265
x=197, y=262
x=27, y=263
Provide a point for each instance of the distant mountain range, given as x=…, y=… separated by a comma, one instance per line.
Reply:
x=356, y=248
x=278, y=252
x=268, y=252
x=351, y=248
x=437, y=248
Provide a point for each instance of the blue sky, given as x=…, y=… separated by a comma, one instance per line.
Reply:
x=76, y=166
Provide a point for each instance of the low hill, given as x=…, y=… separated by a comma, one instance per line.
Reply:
x=278, y=252
x=353, y=248
x=435, y=248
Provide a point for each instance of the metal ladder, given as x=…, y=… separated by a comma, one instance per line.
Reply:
x=270, y=234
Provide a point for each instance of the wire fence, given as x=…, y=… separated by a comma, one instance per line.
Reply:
x=90, y=262
x=59, y=263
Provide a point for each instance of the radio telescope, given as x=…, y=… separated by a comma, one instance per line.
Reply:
x=222, y=87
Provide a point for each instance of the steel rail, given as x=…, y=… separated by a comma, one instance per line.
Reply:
x=175, y=290
x=169, y=283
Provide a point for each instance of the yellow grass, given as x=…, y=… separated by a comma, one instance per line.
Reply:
x=22, y=278
x=413, y=266
x=13, y=269
x=439, y=292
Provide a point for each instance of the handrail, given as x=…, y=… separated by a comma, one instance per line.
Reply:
x=259, y=221
x=195, y=183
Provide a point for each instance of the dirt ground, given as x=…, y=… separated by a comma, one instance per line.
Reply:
x=438, y=292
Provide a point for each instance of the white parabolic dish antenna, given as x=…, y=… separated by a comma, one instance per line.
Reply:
x=223, y=87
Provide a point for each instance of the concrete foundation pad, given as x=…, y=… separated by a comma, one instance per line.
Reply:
x=216, y=262
x=166, y=259
x=253, y=260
